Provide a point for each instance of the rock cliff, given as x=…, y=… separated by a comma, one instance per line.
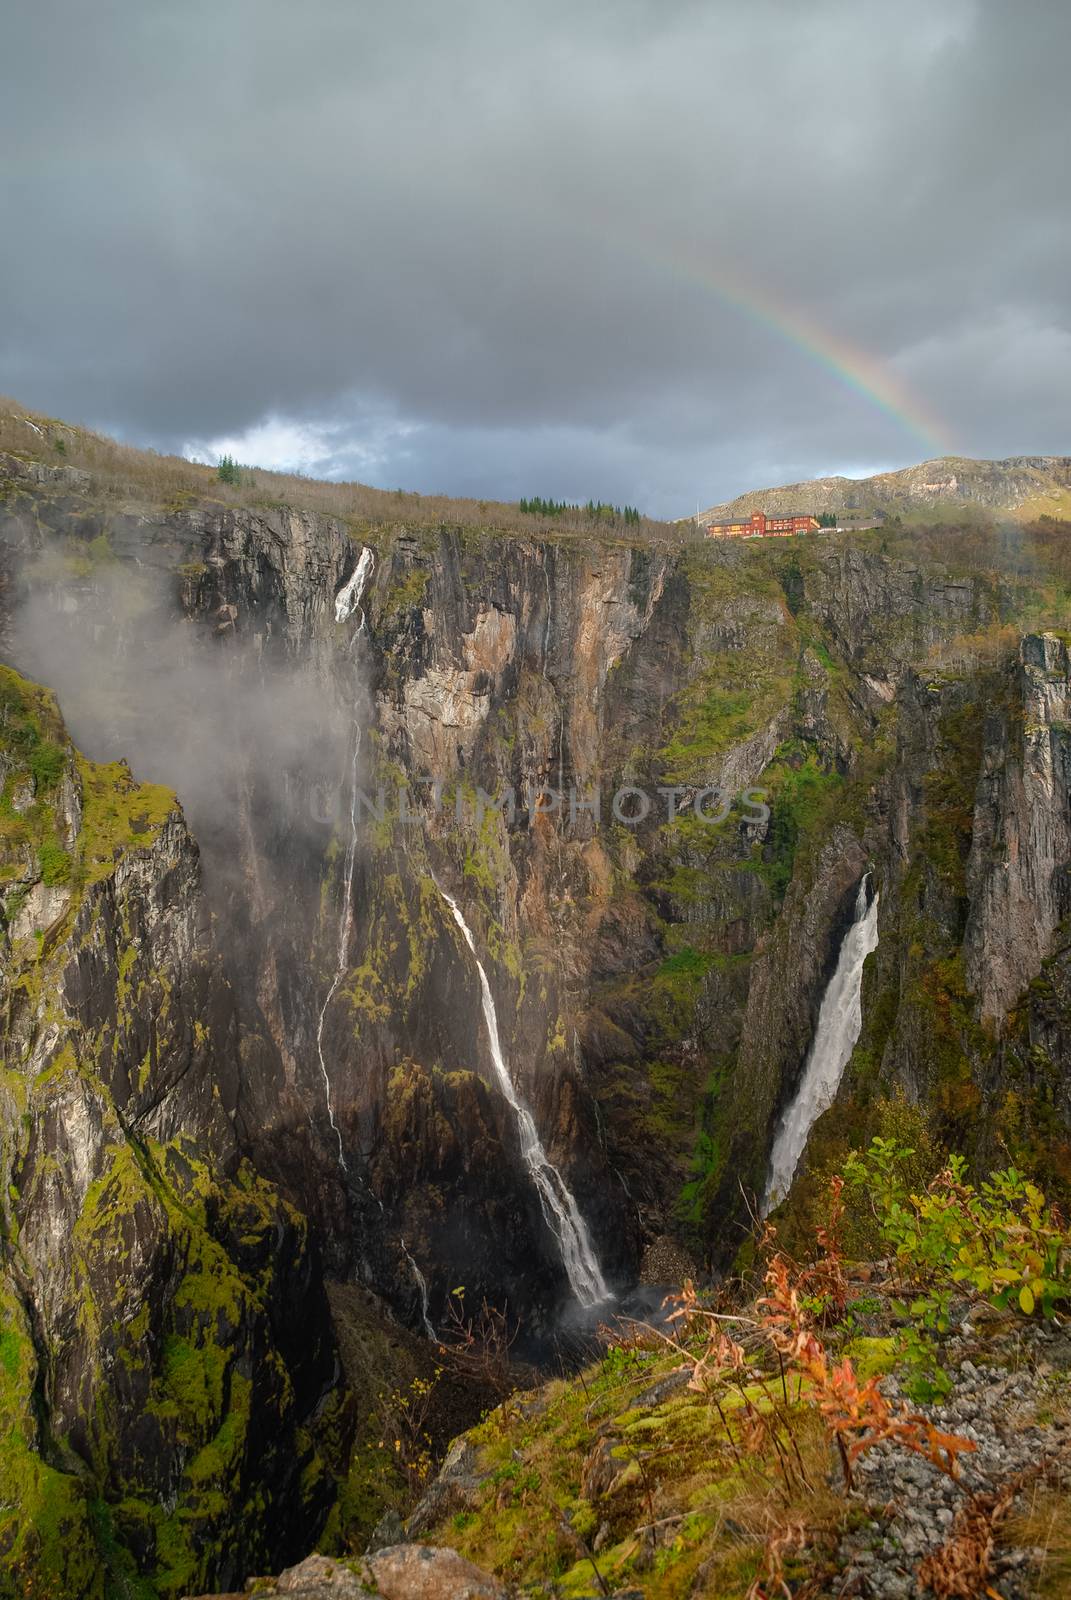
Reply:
x=235, y=1072
x=168, y=1361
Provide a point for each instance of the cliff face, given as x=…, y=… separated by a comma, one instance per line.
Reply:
x=166, y=1349
x=1021, y=839
x=303, y=1043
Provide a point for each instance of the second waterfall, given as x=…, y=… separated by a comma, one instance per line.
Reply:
x=840, y=1021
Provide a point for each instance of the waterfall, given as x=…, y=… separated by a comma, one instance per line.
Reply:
x=840, y=1021
x=560, y=1210
x=348, y=598
x=422, y=1286
x=347, y=601
x=546, y=625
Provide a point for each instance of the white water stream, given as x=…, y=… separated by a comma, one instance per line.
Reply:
x=347, y=601
x=559, y=1208
x=348, y=598
x=840, y=1021
x=422, y=1288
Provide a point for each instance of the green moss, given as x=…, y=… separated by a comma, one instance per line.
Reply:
x=35, y=753
x=688, y=965
x=193, y=1378
x=669, y=1464
x=46, y=1542
x=203, y=1330
x=118, y=814
x=872, y=1357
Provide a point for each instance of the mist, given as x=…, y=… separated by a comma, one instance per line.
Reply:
x=255, y=741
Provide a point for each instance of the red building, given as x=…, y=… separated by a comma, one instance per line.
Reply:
x=760, y=526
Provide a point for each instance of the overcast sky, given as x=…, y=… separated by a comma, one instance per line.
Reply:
x=580, y=247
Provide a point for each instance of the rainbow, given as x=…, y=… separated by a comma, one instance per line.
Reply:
x=874, y=381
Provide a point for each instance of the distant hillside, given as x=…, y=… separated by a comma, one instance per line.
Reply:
x=57, y=452
x=1024, y=484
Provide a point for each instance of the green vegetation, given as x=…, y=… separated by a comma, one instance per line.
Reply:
x=406, y=594
x=54, y=862
x=194, y=1344
x=34, y=755
x=724, y=1449
x=1001, y=1241
x=912, y=1201
x=594, y=511
x=48, y=1549
x=30, y=728
x=118, y=814
x=805, y=796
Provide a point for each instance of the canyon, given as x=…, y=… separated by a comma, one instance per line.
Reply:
x=288, y=1058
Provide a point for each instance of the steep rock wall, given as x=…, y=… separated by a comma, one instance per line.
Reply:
x=656, y=985
x=166, y=1341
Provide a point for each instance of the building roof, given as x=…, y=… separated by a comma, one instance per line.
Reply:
x=771, y=516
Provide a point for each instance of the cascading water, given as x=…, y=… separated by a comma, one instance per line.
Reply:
x=559, y=1208
x=348, y=598
x=347, y=601
x=422, y=1288
x=840, y=1021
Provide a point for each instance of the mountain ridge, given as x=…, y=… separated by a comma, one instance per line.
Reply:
x=1027, y=484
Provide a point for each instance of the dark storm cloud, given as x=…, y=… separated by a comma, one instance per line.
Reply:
x=442, y=245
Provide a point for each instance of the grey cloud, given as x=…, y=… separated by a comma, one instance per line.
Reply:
x=485, y=221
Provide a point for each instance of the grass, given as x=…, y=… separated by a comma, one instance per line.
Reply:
x=122, y=473
x=1045, y=1525
x=654, y=1482
x=117, y=813
x=36, y=753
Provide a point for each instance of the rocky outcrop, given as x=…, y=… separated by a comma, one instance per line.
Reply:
x=402, y=1572
x=886, y=614
x=166, y=1341
x=780, y=1019
x=1021, y=840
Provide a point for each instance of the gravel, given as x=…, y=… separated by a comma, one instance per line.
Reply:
x=911, y=1505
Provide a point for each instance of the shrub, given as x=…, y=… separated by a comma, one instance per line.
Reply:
x=1001, y=1241
x=46, y=765
x=54, y=864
